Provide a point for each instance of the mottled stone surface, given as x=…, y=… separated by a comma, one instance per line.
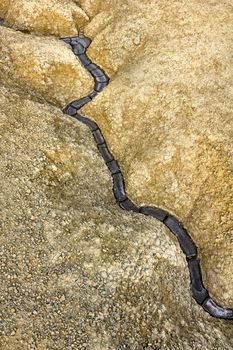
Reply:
x=77, y=272
x=58, y=17
x=167, y=114
x=43, y=66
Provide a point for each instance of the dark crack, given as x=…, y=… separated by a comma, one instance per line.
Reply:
x=79, y=46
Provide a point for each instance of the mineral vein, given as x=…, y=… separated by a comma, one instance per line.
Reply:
x=79, y=46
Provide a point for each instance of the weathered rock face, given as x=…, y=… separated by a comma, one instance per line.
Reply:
x=44, y=16
x=77, y=272
x=41, y=65
x=167, y=114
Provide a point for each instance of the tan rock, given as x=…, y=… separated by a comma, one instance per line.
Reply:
x=4, y=6
x=83, y=273
x=167, y=115
x=45, y=66
x=62, y=17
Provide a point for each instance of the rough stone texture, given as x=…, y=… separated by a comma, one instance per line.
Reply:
x=44, y=66
x=58, y=17
x=170, y=104
x=76, y=271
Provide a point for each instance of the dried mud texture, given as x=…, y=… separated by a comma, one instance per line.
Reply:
x=77, y=272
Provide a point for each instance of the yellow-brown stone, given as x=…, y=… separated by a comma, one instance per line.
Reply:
x=167, y=116
x=70, y=256
x=80, y=271
x=58, y=17
x=44, y=66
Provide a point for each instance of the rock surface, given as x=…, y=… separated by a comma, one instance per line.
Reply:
x=58, y=17
x=167, y=114
x=42, y=66
x=76, y=271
